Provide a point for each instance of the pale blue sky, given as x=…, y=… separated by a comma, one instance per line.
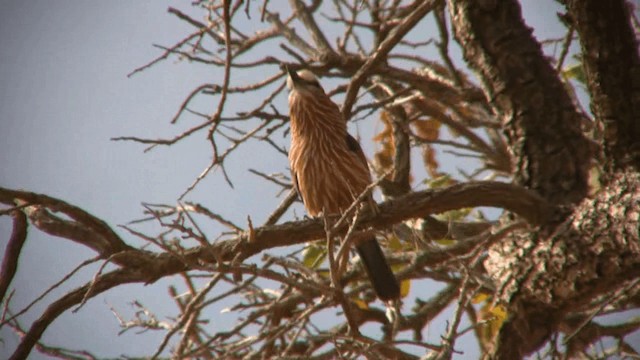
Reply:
x=64, y=93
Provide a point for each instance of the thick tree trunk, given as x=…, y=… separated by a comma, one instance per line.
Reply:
x=589, y=248
x=542, y=126
x=549, y=280
x=612, y=66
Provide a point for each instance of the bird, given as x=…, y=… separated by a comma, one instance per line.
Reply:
x=329, y=169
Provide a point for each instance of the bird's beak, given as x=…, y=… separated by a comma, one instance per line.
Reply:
x=293, y=75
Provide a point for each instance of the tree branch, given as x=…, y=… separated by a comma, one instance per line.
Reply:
x=593, y=253
x=100, y=285
x=415, y=205
x=105, y=241
x=612, y=66
x=540, y=121
x=12, y=252
x=382, y=51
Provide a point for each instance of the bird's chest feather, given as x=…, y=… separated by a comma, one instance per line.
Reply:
x=329, y=175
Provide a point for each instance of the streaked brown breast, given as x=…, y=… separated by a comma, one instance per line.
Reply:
x=330, y=175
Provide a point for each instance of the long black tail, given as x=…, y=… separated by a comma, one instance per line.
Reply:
x=380, y=274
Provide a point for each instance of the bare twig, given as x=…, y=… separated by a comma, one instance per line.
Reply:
x=12, y=251
x=381, y=52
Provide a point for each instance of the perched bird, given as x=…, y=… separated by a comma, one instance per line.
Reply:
x=329, y=169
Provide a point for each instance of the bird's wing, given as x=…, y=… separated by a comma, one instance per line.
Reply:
x=354, y=146
x=294, y=179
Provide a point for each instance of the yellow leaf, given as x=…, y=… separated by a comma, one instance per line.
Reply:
x=445, y=242
x=441, y=181
x=480, y=297
x=405, y=286
x=499, y=312
x=360, y=303
x=575, y=71
x=394, y=243
x=493, y=318
x=454, y=215
x=313, y=255
x=324, y=273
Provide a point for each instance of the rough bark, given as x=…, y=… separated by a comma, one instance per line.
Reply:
x=612, y=67
x=550, y=153
x=549, y=274
x=547, y=280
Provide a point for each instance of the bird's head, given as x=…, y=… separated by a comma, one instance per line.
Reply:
x=310, y=107
x=303, y=82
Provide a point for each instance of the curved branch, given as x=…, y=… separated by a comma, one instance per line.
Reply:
x=100, y=285
x=105, y=240
x=143, y=266
x=612, y=66
x=539, y=119
x=506, y=196
x=415, y=205
x=382, y=51
x=291, y=36
x=304, y=14
x=12, y=252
